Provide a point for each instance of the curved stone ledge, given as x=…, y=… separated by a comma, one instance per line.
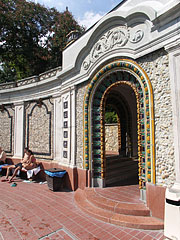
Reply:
x=30, y=80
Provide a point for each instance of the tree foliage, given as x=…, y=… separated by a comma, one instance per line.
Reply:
x=110, y=115
x=32, y=38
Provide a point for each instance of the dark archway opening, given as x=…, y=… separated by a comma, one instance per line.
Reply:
x=122, y=160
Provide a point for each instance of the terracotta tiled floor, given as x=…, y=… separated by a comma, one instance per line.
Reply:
x=128, y=194
x=31, y=211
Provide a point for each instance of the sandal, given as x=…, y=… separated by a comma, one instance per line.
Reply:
x=14, y=185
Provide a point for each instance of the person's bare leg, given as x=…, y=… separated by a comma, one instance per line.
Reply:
x=14, y=174
x=8, y=171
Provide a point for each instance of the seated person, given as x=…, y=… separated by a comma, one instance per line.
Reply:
x=2, y=156
x=25, y=158
x=31, y=162
x=28, y=162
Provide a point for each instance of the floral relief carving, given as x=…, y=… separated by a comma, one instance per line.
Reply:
x=115, y=38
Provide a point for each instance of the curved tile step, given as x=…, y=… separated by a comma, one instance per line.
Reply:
x=116, y=206
x=139, y=222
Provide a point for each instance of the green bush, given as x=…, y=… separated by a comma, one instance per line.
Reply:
x=111, y=117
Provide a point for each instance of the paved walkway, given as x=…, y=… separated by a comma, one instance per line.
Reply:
x=31, y=211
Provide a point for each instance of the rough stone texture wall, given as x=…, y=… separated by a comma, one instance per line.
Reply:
x=81, y=89
x=7, y=130
x=156, y=66
x=39, y=129
x=111, y=137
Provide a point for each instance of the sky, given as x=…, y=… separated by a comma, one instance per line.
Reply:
x=86, y=12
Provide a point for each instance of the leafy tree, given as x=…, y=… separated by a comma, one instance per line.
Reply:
x=110, y=115
x=6, y=73
x=32, y=38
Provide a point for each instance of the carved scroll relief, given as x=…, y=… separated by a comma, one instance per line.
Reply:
x=114, y=38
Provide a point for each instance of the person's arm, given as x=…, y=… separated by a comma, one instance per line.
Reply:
x=3, y=158
x=33, y=160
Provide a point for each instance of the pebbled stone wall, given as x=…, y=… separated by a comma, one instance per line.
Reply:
x=81, y=89
x=111, y=137
x=39, y=129
x=156, y=66
x=7, y=130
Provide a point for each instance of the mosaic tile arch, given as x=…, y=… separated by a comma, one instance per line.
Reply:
x=123, y=71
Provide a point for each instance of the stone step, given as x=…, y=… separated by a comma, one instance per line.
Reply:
x=116, y=206
x=131, y=221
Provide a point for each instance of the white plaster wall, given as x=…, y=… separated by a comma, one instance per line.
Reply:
x=156, y=20
x=19, y=130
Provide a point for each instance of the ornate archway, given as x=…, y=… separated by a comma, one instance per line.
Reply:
x=117, y=73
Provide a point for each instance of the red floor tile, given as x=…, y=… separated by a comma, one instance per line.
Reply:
x=31, y=211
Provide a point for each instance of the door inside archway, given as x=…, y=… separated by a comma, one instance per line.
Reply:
x=121, y=140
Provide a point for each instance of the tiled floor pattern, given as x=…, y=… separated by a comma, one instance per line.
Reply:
x=127, y=194
x=30, y=211
x=59, y=234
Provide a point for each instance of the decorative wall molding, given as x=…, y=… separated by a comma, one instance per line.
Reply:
x=19, y=129
x=27, y=81
x=115, y=38
x=66, y=127
x=49, y=74
x=58, y=124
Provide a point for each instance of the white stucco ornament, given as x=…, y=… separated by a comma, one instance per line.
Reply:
x=114, y=38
